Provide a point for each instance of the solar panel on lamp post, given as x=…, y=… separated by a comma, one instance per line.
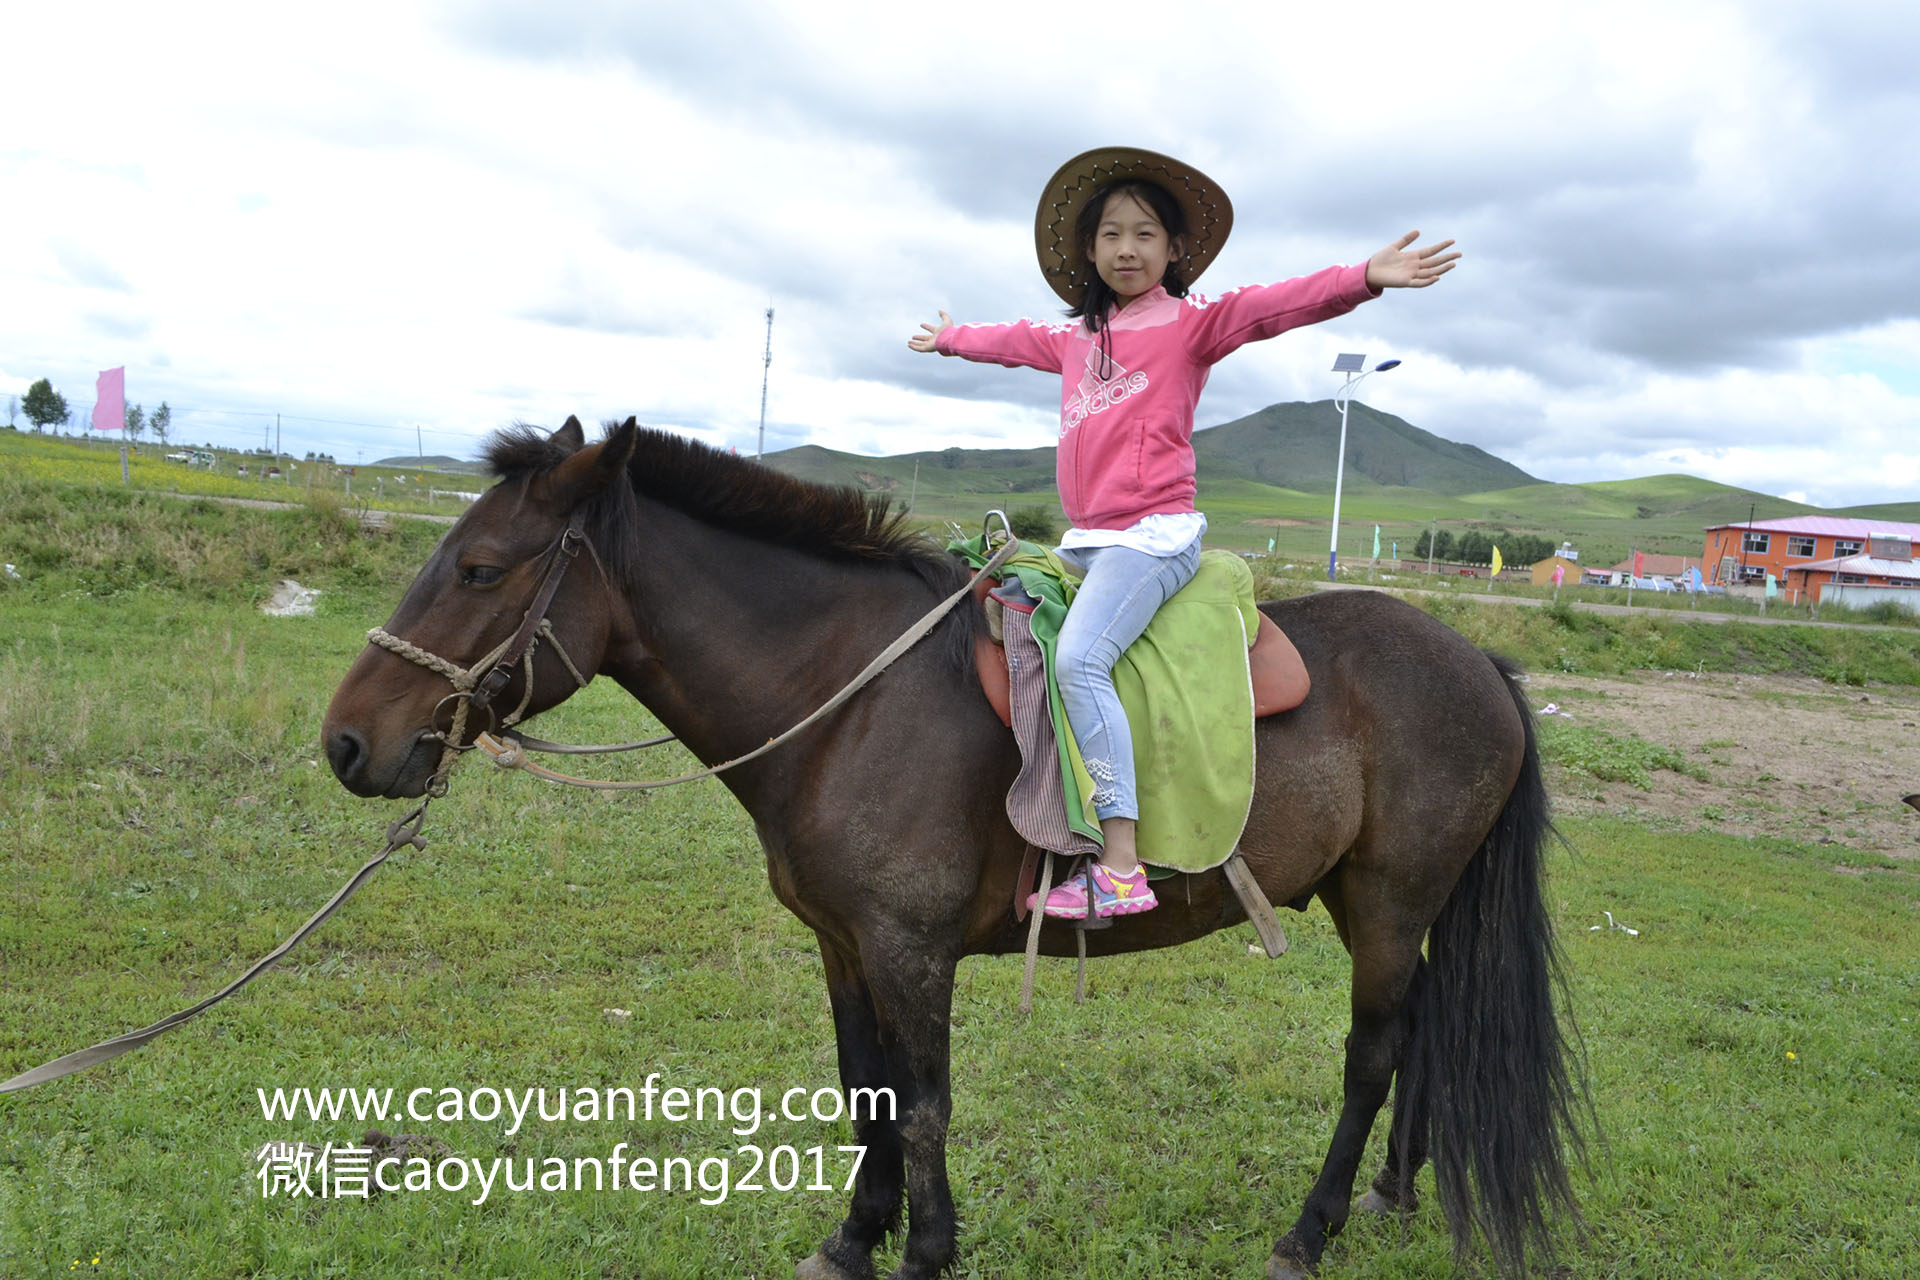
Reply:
x=1354, y=366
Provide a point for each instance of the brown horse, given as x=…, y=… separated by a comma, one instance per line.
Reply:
x=733, y=601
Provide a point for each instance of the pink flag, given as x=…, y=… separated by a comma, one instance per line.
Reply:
x=1559, y=572
x=110, y=400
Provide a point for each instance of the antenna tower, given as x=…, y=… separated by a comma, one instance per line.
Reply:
x=766, y=366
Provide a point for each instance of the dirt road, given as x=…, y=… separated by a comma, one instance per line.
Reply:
x=1619, y=610
x=1786, y=756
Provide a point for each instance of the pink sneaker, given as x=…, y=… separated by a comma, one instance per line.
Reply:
x=1113, y=895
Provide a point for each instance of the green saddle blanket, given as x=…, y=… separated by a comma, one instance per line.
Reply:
x=1189, y=704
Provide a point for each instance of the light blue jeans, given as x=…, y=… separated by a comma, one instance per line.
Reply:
x=1122, y=591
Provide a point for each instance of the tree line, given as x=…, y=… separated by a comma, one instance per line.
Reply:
x=1476, y=547
x=46, y=407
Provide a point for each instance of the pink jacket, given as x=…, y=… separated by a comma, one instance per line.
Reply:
x=1126, y=439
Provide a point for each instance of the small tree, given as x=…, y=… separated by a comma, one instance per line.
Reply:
x=1442, y=545
x=136, y=421
x=1033, y=524
x=161, y=422
x=1530, y=548
x=13, y=408
x=44, y=406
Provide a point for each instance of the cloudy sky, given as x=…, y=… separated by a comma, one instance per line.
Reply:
x=1689, y=227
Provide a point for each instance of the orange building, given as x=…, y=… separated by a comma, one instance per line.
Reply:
x=1744, y=554
x=1887, y=562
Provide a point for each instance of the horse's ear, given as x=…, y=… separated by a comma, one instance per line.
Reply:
x=618, y=451
x=589, y=471
x=569, y=437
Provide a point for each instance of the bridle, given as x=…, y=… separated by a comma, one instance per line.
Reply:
x=475, y=687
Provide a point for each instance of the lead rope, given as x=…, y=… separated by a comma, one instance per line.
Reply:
x=406, y=831
x=400, y=834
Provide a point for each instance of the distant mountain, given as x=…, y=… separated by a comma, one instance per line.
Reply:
x=1293, y=446
x=1272, y=472
x=433, y=462
x=942, y=471
x=1289, y=446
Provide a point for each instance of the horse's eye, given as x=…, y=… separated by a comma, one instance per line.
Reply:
x=481, y=575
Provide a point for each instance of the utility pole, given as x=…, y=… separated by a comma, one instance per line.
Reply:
x=276, y=437
x=766, y=367
x=1748, y=537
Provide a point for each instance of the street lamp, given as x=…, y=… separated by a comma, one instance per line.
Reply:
x=1354, y=366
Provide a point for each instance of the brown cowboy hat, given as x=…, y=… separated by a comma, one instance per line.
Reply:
x=1064, y=264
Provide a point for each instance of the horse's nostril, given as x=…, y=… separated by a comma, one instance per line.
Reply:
x=346, y=752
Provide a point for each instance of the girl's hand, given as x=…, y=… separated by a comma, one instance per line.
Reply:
x=925, y=341
x=1397, y=267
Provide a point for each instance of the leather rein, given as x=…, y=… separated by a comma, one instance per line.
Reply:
x=475, y=687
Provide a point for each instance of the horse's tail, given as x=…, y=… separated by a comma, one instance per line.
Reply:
x=1486, y=1069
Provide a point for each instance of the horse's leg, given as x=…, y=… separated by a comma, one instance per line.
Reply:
x=847, y=1254
x=1383, y=967
x=912, y=984
x=1393, y=1190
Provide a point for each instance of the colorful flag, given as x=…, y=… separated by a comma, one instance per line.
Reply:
x=1376, y=542
x=1269, y=546
x=1559, y=573
x=1693, y=577
x=1496, y=562
x=1773, y=588
x=110, y=400
x=1639, y=564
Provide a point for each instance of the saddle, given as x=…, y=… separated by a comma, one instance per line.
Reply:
x=1280, y=680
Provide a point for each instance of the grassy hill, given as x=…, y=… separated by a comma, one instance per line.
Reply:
x=1905, y=512
x=1285, y=446
x=1293, y=446
x=941, y=473
x=1269, y=476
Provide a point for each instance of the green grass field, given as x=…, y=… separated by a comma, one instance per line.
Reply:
x=68, y=460
x=1605, y=520
x=168, y=817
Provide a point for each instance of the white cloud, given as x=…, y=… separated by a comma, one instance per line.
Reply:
x=459, y=214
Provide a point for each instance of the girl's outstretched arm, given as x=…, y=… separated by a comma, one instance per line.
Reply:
x=1019, y=345
x=925, y=341
x=1397, y=267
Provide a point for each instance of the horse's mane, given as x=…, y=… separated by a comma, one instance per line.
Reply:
x=744, y=496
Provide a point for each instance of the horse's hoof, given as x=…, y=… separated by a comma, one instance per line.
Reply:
x=1379, y=1204
x=820, y=1267
x=1286, y=1262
